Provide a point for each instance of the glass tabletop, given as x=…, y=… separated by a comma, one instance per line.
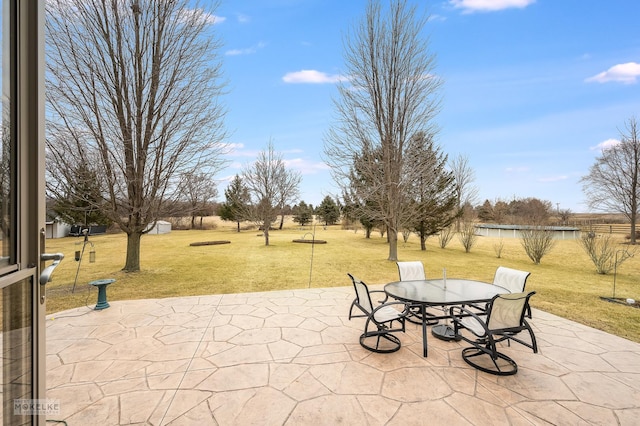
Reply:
x=434, y=292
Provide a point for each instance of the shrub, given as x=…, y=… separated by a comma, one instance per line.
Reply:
x=537, y=241
x=498, y=247
x=602, y=250
x=445, y=236
x=467, y=235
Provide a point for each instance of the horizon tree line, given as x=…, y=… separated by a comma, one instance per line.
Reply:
x=139, y=136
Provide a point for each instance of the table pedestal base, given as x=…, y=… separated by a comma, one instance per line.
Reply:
x=444, y=332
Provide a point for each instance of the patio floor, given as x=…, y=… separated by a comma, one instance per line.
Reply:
x=293, y=358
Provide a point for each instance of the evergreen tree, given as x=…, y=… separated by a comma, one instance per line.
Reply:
x=485, y=211
x=79, y=200
x=237, y=196
x=433, y=196
x=302, y=213
x=328, y=211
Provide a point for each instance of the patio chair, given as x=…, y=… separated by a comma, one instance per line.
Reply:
x=380, y=339
x=513, y=280
x=409, y=271
x=504, y=321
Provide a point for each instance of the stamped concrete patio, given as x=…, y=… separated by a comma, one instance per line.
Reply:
x=293, y=358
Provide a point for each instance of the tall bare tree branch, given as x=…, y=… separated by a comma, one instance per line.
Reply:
x=133, y=90
x=391, y=96
x=613, y=182
x=269, y=183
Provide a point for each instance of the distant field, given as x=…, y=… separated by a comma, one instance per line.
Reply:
x=565, y=281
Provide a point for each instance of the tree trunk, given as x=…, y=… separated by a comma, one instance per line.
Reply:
x=392, y=235
x=193, y=221
x=132, y=263
x=266, y=235
x=633, y=228
x=238, y=222
x=423, y=242
x=281, y=221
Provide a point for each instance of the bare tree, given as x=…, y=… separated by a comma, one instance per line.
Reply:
x=289, y=191
x=198, y=190
x=603, y=251
x=564, y=216
x=613, y=182
x=467, y=235
x=530, y=211
x=536, y=241
x=445, y=236
x=390, y=97
x=133, y=92
x=266, y=179
x=464, y=176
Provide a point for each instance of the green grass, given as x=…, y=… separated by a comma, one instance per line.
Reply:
x=566, y=282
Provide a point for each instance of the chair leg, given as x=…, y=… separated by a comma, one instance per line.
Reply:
x=351, y=309
x=533, y=345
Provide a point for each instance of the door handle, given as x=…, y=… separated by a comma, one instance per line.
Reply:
x=45, y=276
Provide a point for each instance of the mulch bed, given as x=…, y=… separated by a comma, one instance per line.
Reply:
x=310, y=241
x=210, y=243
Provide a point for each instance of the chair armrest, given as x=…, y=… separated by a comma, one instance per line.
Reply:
x=464, y=312
x=402, y=313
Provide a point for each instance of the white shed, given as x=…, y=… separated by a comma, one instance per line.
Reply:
x=57, y=229
x=161, y=227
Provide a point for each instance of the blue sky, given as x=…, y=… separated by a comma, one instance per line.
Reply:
x=532, y=88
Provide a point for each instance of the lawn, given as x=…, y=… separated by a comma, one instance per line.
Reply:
x=566, y=282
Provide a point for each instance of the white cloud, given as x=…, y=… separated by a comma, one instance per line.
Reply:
x=243, y=19
x=233, y=146
x=247, y=51
x=437, y=18
x=187, y=15
x=306, y=167
x=226, y=179
x=470, y=6
x=605, y=145
x=622, y=73
x=311, y=76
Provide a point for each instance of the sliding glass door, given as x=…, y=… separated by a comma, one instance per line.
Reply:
x=22, y=215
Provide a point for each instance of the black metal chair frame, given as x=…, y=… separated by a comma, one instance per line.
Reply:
x=484, y=345
x=524, y=274
x=383, y=329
